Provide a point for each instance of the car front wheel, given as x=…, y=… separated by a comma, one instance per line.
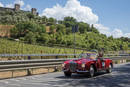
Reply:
x=67, y=74
x=109, y=70
x=91, y=71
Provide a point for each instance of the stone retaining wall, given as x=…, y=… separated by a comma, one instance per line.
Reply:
x=26, y=72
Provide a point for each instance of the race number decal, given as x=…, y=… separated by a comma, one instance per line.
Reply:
x=103, y=64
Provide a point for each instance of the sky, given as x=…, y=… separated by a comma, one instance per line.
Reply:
x=110, y=17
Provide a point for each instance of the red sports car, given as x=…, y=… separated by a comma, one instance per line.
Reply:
x=87, y=63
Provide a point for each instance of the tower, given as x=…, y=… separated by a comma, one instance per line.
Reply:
x=34, y=11
x=17, y=7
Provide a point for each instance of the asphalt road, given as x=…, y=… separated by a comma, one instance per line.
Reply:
x=120, y=77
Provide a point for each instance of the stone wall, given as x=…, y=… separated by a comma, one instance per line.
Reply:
x=26, y=72
x=6, y=9
x=5, y=30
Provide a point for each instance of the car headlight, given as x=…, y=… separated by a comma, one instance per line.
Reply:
x=63, y=65
x=83, y=65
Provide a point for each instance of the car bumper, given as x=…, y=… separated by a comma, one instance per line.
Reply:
x=77, y=71
x=82, y=71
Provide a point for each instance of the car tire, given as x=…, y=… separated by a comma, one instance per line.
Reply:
x=67, y=74
x=109, y=70
x=91, y=71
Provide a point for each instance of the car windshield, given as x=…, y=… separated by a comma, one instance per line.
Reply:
x=88, y=55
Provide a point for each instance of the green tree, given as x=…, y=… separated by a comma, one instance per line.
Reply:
x=125, y=46
x=30, y=38
x=52, y=29
x=30, y=16
x=60, y=28
x=14, y=32
x=82, y=27
x=44, y=19
x=52, y=21
x=69, y=21
x=44, y=38
x=93, y=29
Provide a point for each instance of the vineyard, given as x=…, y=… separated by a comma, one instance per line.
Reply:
x=16, y=47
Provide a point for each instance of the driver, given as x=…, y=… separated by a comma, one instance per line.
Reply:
x=92, y=55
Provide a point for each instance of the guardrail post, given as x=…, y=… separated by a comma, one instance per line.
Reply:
x=28, y=72
x=56, y=57
x=29, y=57
x=12, y=73
x=41, y=53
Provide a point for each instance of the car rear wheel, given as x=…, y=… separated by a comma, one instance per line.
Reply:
x=67, y=74
x=91, y=71
x=109, y=70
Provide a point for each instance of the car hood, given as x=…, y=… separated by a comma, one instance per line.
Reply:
x=83, y=60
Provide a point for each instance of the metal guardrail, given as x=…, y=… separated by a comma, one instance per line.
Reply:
x=120, y=58
x=27, y=64
x=22, y=55
x=19, y=64
x=117, y=55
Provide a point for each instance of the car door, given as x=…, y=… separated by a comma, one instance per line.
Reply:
x=99, y=63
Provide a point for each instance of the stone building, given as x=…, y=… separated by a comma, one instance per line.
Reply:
x=17, y=7
x=34, y=11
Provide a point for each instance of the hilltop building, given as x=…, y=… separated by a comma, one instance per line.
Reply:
x=5, y=29
x=17, y=8
x=34, y=11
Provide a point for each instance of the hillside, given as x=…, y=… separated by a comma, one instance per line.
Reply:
x=87, y=37
x=31, y=29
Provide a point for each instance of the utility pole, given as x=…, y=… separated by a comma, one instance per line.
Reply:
x=74, y=30
x=74, y=43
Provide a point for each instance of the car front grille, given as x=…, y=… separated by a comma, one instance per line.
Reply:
x=73, y=66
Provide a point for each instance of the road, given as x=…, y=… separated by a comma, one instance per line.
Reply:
x=120, y=77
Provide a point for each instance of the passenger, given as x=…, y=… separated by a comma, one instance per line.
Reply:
x=100, y=54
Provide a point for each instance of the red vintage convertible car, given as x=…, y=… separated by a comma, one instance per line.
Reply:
x=88, y=63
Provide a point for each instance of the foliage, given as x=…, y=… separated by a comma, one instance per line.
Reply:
x=31, y=29
x=87, y=37
x=52, y=29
